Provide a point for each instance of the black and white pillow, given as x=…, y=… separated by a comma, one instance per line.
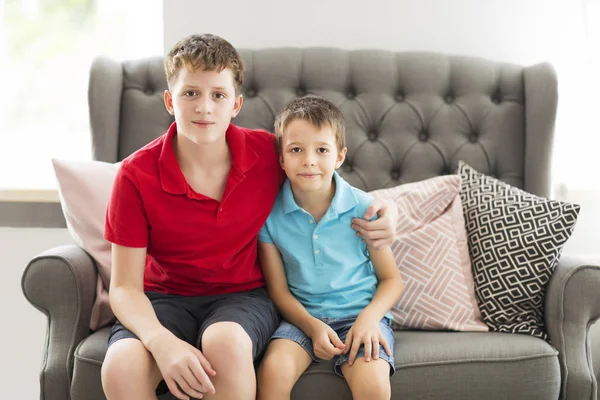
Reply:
x=515, y=240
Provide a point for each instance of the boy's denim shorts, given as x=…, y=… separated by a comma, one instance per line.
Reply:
x=341, y=326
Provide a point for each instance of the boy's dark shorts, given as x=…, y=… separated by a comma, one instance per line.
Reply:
x=188, y=318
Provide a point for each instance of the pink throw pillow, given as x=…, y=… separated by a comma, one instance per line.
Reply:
x=84, y=188
x=432, y=254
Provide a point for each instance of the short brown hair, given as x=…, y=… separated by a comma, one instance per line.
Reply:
x=206, y=51
x=316, y=110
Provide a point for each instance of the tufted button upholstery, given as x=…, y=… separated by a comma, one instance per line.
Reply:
x=497, y=97
x=364, y=84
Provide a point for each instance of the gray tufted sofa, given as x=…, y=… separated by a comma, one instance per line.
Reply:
x=410, y=116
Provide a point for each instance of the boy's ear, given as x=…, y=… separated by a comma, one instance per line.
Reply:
x=341, y=157
x=237, y=106
x=168, y=98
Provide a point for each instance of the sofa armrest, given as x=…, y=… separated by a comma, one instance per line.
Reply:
x=572, y=306
x=61, y=283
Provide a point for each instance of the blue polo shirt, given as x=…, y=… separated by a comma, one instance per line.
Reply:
x=327, y=266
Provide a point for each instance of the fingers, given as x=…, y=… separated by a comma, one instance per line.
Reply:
x=376, y=341
x=335, y=340
x=202, y=378
x=174, y=389
x=373, y=208
x=368, y=348
x=324, y=349
x=353, y=351
x=371, y=230
x=190, y=385
x=385, y=345
x=348, y=344
x=204, y=363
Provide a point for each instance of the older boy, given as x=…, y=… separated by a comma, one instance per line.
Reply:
x=334, y=291
x=183, y=218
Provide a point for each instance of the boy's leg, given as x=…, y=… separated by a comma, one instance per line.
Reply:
x=235, y=332
x=367, y=380
x=129, y=370
x=287, y=357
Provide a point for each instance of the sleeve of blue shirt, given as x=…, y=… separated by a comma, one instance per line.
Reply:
x=364, y=201
x=264, y=235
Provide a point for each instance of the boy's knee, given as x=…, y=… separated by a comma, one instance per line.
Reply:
x=227, y=341
x=375, y=388
x=128, y=363
x=276, y=370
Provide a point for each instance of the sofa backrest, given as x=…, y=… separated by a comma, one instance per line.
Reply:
x=410, y=115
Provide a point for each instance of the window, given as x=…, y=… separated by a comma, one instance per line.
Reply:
x=48, y=47
x=578, y=64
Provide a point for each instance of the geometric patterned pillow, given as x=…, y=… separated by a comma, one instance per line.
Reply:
x=432, y=255
x=515, y=240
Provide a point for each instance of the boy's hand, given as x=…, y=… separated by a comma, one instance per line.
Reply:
x=326, y=343
x=184, y=368
x=365, y=331
x=381, y=232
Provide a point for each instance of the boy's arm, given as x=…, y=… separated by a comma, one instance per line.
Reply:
x=127, y=299
x=390, y=284
x=366, y=330
x=326, y=343
x=291, y=309
x=378, y=233
x=133, y=309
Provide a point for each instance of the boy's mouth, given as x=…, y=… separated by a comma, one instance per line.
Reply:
x=203, y=124
x=308, y=176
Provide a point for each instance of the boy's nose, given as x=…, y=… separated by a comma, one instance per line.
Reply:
x=203, y=106
x=308, y=160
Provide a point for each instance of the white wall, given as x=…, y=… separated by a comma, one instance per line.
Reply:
x=23, y=327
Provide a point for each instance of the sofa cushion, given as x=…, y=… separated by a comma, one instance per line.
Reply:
x=513, y=366
x=515, y=240
x=84, y=188
x=431, y=252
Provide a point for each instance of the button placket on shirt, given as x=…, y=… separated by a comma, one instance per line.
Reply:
x=316, y=244
x=315, y=237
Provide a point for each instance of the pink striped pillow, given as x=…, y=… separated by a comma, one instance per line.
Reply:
x=432, y=254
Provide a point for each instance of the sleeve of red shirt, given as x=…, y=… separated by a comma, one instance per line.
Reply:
x=126, y=223
x=281, y=173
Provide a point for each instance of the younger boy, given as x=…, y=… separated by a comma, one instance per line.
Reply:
x=333, y=291
x=183, y=218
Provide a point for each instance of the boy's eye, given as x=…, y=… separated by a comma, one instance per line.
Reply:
x=189, y=93
x=295, y=150
x=322, y=150
x=219, y=96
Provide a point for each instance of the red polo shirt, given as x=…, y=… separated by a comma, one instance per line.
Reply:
x=195, y=244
